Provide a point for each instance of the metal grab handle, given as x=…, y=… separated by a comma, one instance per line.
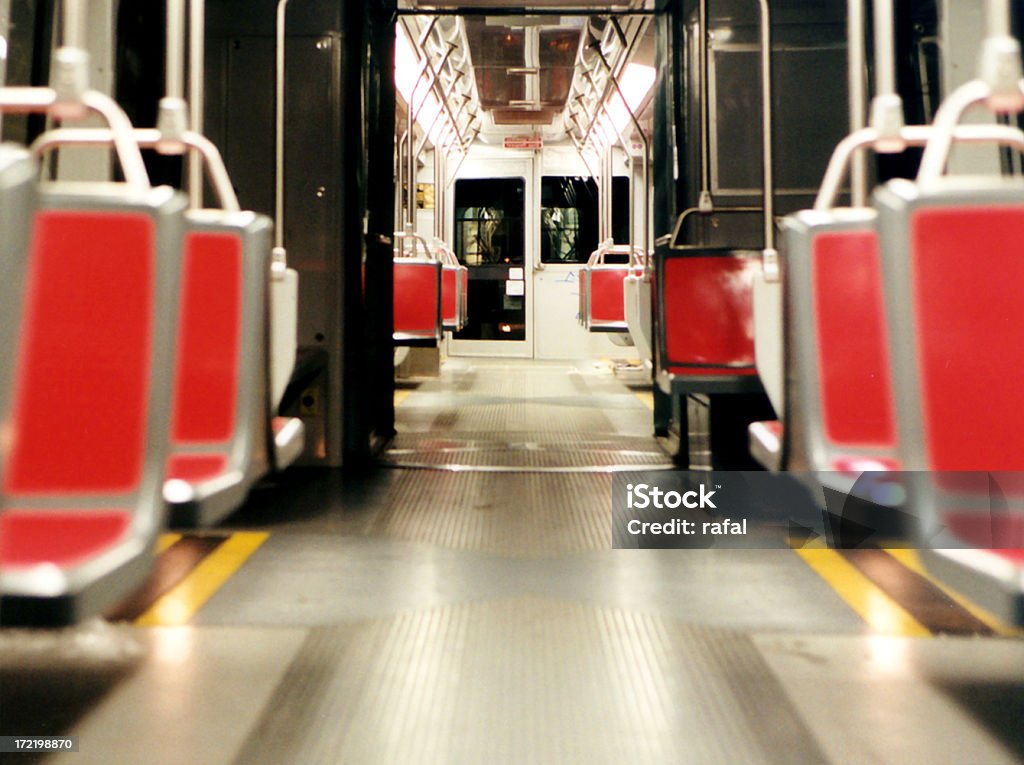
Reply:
x=947, y=118
x=597, y=256
x=915, y=135
x=444, y=254
x=639, y=259
x=677, y=231
x=401, y=237
x=635, y=253
x=42, y=100
x=149, y=138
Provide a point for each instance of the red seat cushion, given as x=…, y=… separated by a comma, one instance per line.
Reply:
x=206, y=373
x=65, y=538
x=416, y=297
x=82, y=390
x=853, y=350
x=607, y=295
x=709, y=314
x=967, y=270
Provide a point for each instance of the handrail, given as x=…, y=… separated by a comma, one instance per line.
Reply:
x=857, y=88
x=172, y=116
x=401, y=237
x=767, y=127
x=280, y=254
x=196, y=93
x=44, y=100
x=678, y=229
x=149, y=138
x=911, y=135
x=936, y=153
x=636, y=256
x=646, y=157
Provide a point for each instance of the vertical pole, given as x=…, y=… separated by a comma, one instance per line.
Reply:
x=766, y=130
x=196, y=93
x=858, y=96
x=74, y=22
x=174, y=78
x=282, y=15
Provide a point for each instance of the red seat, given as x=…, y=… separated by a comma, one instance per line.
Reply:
x=221, y=424
x=839, y=381
x=602, y=288
x=958, y=324
x=454, y=290
x=607, y=298
x=705, y=319
x=417, y=295
x=89, y=415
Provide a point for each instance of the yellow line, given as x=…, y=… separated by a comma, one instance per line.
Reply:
x=912, y=560
x=883, y=614
x=647, y=397
x=182, y=602
x=400, y=396
x=164, y=541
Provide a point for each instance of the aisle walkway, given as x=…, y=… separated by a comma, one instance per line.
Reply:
x=476, y=614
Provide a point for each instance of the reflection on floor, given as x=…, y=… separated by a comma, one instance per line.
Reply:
x=469, y=609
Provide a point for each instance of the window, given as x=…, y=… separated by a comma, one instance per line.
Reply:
x=569, y=217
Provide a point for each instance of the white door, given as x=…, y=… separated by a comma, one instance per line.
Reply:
x=567, y=234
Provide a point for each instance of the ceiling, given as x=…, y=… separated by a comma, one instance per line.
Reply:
x=525, y=66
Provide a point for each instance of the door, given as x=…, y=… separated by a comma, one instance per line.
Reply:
x=568, y=235
x=491, y=236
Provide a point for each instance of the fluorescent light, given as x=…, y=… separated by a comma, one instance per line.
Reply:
x=635, y=83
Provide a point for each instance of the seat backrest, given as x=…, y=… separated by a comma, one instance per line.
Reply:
x=952, y=271
x=91, y=402
x=704, y=303
x=417, y=295
x=220, y=382
x=451, y=297
x=606, y=303
x=18, y=202
x=840, y=380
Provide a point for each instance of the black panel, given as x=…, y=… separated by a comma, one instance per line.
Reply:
x=490, y=240
x=242, y=95
x=806, y=128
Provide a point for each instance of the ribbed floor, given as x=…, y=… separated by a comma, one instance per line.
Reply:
x=503, y=513
x=507, y=417
x=525, y=450
x=529, y=680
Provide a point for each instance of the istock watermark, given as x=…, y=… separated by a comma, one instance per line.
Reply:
x=693, y=509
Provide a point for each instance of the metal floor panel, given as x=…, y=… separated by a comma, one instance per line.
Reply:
x=167, y=696
x=526, y=450
x=894, y=701
x=527, y=417
x=528, y=680
x=315, y=578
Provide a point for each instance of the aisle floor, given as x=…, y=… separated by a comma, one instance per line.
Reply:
x=464, y=605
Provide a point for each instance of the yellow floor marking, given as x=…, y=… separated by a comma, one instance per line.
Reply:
x=181, y=603
x=400, y=396
x=647, y=397
x=912, y=560
x=164, y=541
x=883, y=614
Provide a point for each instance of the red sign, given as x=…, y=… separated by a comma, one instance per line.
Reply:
x=524, y=142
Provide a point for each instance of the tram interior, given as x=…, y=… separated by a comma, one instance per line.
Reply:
x=336, y=334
